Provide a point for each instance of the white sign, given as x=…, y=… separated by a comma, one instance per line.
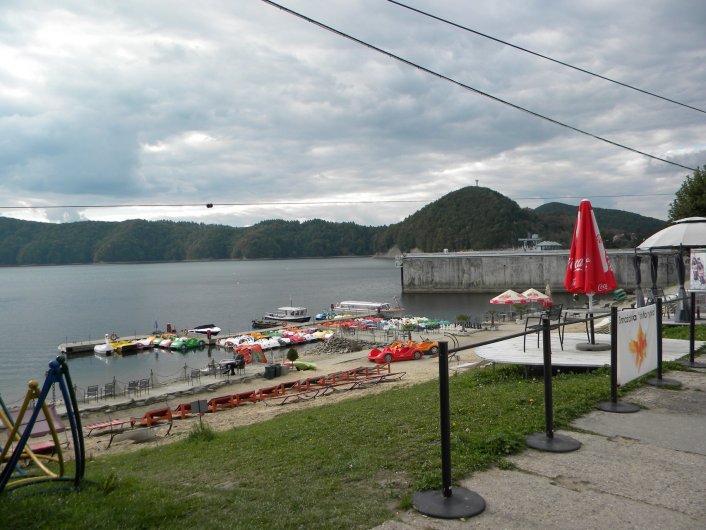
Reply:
x=637, y=342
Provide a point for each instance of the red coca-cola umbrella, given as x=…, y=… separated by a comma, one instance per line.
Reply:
x=589, y=270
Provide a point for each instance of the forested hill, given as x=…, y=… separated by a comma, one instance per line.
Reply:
x=471, y=218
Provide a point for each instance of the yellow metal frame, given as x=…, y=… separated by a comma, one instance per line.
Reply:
x=11, y=445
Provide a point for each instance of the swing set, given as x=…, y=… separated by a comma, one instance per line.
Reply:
x=20, y=463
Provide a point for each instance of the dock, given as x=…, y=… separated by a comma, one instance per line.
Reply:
x=85, y=347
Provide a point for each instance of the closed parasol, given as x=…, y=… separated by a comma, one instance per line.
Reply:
x=589, y=270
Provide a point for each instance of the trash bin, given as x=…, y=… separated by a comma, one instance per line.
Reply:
x=270, y=371
x=278, y=370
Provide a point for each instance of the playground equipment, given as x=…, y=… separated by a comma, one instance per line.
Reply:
x=41, y=467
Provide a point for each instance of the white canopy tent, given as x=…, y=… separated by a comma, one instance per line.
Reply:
x=684, y=234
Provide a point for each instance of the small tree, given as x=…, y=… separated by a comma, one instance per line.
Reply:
x=463, y=320
x=520, y=308
x=690, y=199
x=292, y=355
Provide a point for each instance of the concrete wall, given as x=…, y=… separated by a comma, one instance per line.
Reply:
x=493, y=272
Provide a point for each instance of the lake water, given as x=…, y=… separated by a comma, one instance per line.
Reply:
x=41, y=307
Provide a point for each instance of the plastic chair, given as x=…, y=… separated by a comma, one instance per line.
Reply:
x=533, y=323
x=108, y=390
x=568, y=319
x=144, y=385
x=133, y=387
x=91, y=392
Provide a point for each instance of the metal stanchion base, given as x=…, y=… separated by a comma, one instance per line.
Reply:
x=617, y=406
x=689, y=364
x=556, y=444
x=656, y=381
x=462, y=503
x=588, y=346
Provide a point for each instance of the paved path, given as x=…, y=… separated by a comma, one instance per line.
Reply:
x=641, y=470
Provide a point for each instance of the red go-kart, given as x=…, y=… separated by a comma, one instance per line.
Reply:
x=390, y=354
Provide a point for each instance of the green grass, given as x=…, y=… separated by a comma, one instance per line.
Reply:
x=682, y=332
x=350, y=464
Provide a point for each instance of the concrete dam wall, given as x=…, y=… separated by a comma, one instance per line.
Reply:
x=493, y=272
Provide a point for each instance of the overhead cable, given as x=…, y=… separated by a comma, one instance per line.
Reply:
x=300, y=203
x=546, y=57
x=470, y=88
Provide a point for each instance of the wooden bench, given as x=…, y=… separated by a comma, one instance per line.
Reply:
x=143, y=434
x=111, y=425
x=153, y=416
x=294, y=397
x=221, y=402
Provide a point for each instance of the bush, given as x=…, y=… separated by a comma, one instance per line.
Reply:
x=292, y=354
x=201, y=432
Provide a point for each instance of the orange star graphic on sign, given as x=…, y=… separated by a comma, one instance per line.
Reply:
x=638, y=347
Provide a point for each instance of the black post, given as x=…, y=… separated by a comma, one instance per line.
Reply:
x=613, y=405
x=548, y=390
x=692, y=327
x=691, y=363
x=659, y=338
x=445, y=418
x=549, y=441
x=459, y=502
x=593, y=329
x=614, y=354
x=659, y=380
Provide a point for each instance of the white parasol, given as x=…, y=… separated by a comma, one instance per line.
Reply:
x=509, y=297
x=682, y=234
x=688, y=233
x=533, y=295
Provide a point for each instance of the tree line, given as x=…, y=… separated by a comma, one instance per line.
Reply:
x=472, y=218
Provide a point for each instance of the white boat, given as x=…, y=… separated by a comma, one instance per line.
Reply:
x=104, y=349
x=204, y=330
x=357, y=307
x=288, y=314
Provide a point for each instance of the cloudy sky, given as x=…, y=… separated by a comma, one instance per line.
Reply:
x=169, y=105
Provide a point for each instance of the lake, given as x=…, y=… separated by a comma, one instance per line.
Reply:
x=41, y=307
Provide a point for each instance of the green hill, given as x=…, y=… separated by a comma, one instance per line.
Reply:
x=470, y=218
x=618, y=227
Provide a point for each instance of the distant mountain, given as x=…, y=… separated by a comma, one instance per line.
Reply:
x=477, y=218
x=618, y=227
x=470, y=218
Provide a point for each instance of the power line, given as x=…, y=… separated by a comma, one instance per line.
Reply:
x=546, y=57
x=207, y=205
x=470, y=88
x=302, y=203
x=616, y=196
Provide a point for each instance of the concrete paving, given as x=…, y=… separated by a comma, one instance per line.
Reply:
x=640, y=470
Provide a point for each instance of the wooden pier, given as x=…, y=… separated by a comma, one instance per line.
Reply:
x=85, y=347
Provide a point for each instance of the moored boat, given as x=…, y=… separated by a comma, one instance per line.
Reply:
x=206, y=329
x=121, y=345
x=105, y=348
x=358, y=307
x=264, y=324
x=288, y=314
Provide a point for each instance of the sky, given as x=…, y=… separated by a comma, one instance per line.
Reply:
x=151, y=110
